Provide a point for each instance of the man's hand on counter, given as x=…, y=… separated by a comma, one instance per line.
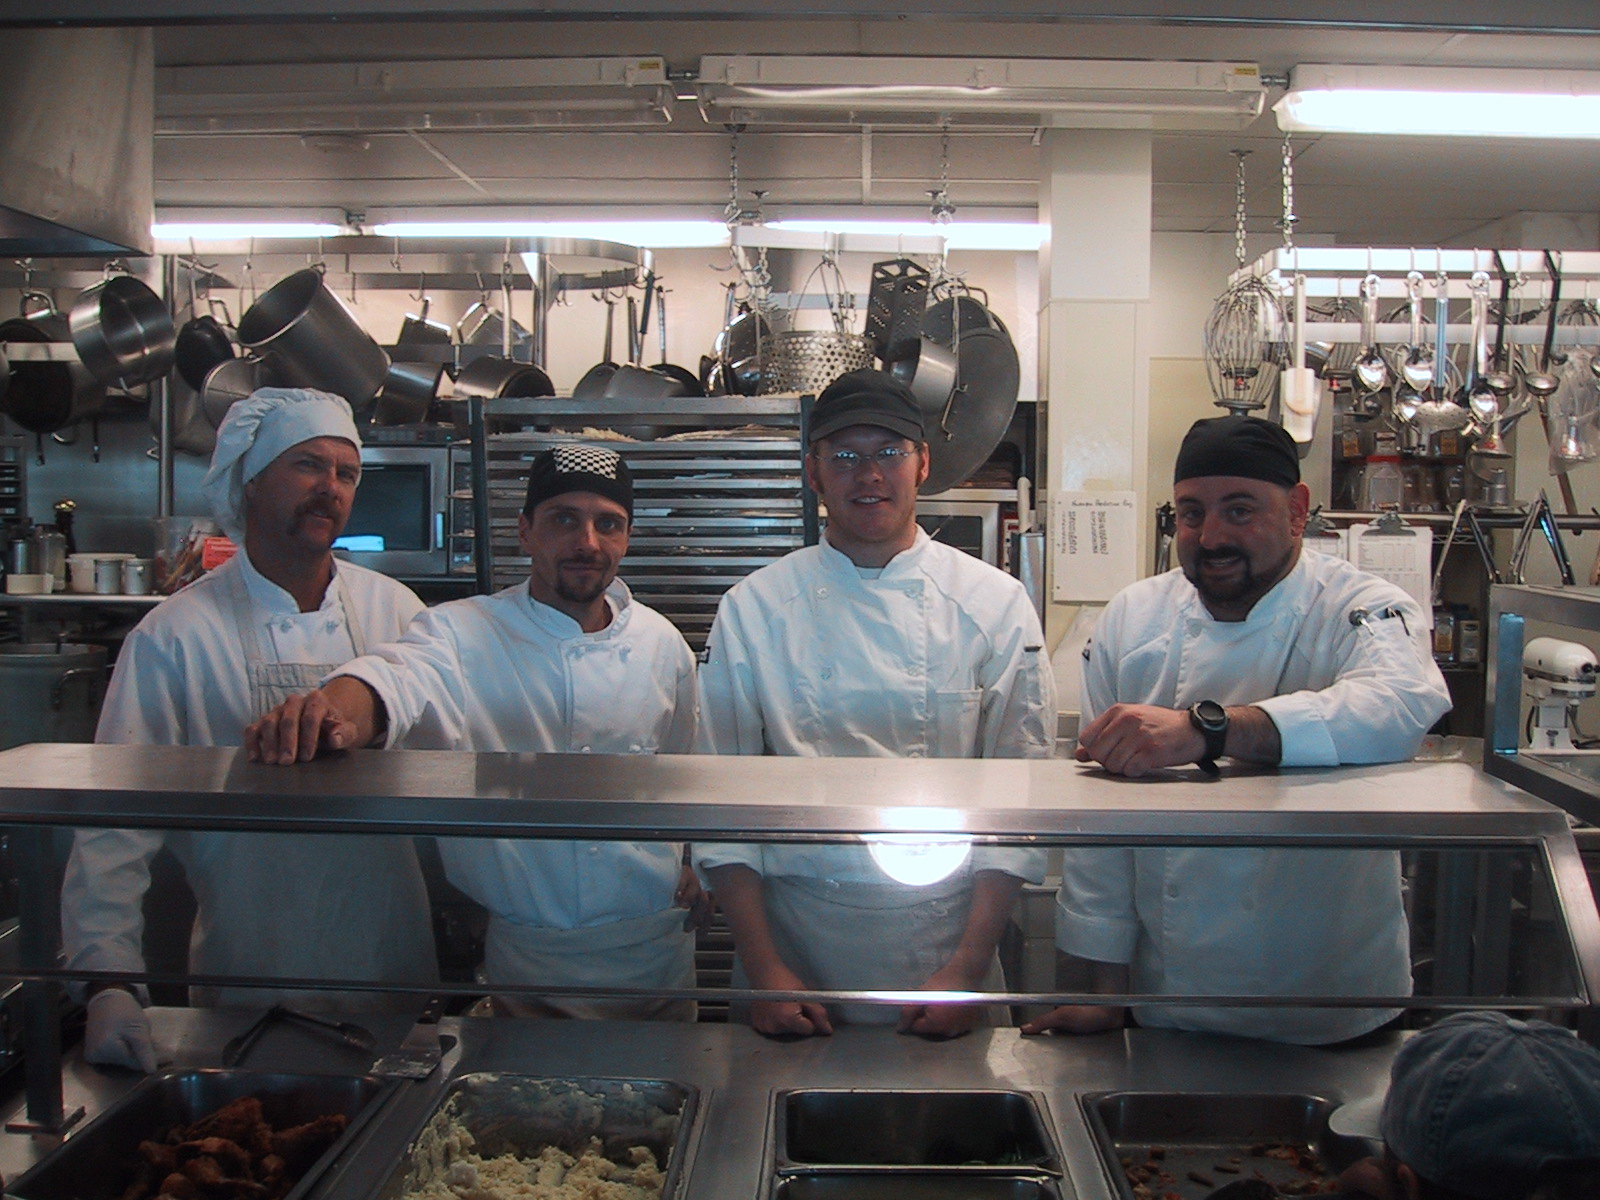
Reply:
x=942, y=1021
x=1078, y=1018
x=787, y=1018
x=343, y=715
x=1134, y=739
x=117, y=1033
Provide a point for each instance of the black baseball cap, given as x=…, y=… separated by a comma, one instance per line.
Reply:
x=867, y=397
x=579, y=468
x=1247, y=447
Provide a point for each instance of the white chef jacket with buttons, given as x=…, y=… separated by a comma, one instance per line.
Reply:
x=1260, y=921
x=507, y=673
x=938, y=655
x=331, y=906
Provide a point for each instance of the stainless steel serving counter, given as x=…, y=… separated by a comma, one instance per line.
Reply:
x=738, y=1073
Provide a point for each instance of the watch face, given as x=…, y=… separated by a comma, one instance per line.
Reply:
x=1210, y=714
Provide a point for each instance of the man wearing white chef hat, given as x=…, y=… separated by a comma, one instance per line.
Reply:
x=1256, y=651
x=566, y=661
x=877, y=642
x=196, y=671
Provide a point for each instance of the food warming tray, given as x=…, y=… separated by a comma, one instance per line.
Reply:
x=965, y=1132
x=1195, y=1133
x=85, y=1166
x=522, y=1114
x=902, y=1185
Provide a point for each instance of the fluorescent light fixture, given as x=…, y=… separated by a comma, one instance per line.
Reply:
x=959, y=235
x=1441, y=102
x=224, y=231
x=1087, y=93
x=650, y=235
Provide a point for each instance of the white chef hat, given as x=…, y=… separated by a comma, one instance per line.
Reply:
x=259, y=428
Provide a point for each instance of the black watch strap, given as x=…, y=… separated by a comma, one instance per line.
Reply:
x=1211, y=719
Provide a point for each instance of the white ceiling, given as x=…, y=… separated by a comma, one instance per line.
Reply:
x=1398, y=191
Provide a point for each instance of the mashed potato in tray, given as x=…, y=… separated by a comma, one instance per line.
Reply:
x=449, y=1167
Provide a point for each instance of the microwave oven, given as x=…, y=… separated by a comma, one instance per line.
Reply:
x=412, y=516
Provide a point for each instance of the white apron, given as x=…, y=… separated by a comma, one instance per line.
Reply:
x=646, y=952
x=317, y=906
x=869, y=937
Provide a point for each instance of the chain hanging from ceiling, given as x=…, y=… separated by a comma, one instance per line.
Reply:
x=756, y=277
x=1245, y=333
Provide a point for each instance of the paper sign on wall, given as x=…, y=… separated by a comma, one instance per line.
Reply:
x=1094, y=540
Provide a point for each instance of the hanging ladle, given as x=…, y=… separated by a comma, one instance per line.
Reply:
x=1481, y=398
x=1417, y=369
x=1370, y=370
x=1501, y=381
x=1543, y=382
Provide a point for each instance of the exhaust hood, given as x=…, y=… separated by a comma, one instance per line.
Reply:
x=76, y=146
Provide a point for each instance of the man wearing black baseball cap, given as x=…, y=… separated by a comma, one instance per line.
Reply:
x=878, y=642
x=567, y=662
x=1258, y=650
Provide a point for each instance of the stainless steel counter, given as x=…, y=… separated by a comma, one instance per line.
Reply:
x=674, y=797
x=738, y=1073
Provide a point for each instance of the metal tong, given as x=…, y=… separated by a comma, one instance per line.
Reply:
x=351, y=1034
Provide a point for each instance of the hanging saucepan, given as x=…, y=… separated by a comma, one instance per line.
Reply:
x=965, y=434
x=314, y=339
x=689, y=380
x=203, y=343
x=593, y=384
x=47, y=396
x=633, y=382
x=484, y=325
x=499, y=378
x=741, y=349
x=417, y=330
x=408, y=393
x=229, y=382
x=928, y=369
x=123, y=332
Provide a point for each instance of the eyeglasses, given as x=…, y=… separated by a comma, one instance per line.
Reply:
x=888, y=458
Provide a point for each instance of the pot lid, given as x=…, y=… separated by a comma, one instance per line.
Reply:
x=963, y=435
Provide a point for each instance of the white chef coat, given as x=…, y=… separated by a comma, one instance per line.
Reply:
x=507, y=673
x=330, y=906
x=937, y=655
x=1260, y=921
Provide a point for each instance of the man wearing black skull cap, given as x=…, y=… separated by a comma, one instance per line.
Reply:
x=1256, y=650
x=567, y=662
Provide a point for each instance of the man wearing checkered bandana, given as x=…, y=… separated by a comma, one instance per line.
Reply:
x=566, y=662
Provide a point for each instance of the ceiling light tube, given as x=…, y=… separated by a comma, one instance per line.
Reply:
x=1441, y=102
x=236, y=231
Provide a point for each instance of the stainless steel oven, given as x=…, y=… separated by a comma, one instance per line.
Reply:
x=412, y=516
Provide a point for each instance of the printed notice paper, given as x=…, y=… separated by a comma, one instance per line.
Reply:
x=1094, y=540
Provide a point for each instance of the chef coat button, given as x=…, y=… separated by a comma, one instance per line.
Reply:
x=584, y=749
x=827, y=672
x=822, y=593
x=1194, y=628
x=914, y=752
x=594, y=849
x=1172, y=891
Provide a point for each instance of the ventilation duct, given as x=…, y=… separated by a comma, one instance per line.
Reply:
x=76, y=176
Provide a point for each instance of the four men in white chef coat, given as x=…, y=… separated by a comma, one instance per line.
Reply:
x=196, y=671
x=567, y=661
x=877, y=642
x=1262, y=652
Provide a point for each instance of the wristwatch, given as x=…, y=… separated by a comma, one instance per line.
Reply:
x=1211, y=719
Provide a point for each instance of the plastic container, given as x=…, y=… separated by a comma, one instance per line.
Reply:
x=1383, y=484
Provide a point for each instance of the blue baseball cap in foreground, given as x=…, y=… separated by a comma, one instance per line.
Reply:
x=1481, y=1102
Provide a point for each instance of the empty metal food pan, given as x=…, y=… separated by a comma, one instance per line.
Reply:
x=1216, y=1136
x=90, y=1164
x=902, y=1185
x=522, y=1114
x=976, y=1131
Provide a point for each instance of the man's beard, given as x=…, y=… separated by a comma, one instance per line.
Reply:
x=1249, y=585
x=576, y=594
